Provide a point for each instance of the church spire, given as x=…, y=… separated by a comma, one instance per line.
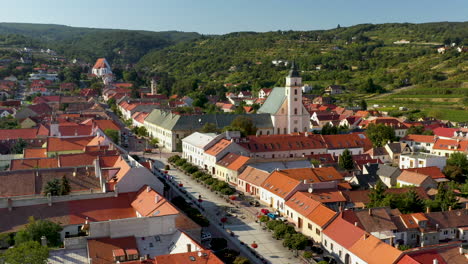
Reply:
x=293, y=72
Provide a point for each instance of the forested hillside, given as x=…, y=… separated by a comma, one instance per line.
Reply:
x=118, y=46
x=363, y=58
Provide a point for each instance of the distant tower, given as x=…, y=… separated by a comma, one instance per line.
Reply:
x=293, y=92
x=154, y=86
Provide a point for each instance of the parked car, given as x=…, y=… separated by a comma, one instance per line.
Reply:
x=272, y=216
x=205, y=236
x=265, y=211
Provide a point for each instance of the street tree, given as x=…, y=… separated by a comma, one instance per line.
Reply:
x=295, y=241
x=380, y=134
x=35, y=229
x=30, y=252
x=345, y=160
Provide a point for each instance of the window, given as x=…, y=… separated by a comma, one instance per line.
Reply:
x=295, y=91
x=445, y=232
x=339, y=253
x=295, y=111
x=331, y=246
x=295, y=99
x=317, y=231
x=309, y=225
x=326, y=244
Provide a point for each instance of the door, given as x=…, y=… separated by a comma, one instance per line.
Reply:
x=299, y=222
x=247, y=187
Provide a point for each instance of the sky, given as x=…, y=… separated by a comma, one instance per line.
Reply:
x=224, y=16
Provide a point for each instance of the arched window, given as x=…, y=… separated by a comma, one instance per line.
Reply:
x=295, y=111
x=278, y=131
x=295, y=91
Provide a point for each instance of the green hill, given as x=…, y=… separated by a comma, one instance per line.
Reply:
x=118, y=46
x=363, y=58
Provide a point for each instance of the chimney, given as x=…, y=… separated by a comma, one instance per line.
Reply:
x=355, y=223
x=370, y=211
x=44, y=241
x=148, y=189
x=366, y=236
x=116, y=191
x=156, y=199
x=435, y=261
x=428, y=210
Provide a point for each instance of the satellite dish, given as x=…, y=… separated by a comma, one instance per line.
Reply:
x=199, y=254
x=310, y=190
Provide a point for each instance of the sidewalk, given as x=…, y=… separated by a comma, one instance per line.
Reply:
x=243, y=226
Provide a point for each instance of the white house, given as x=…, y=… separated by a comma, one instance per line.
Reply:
x=101, y=68
x=217, y=151
x=420, y=160
x=194, y=146
x=420, y=142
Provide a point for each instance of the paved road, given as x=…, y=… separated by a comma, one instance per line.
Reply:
x=245, y=230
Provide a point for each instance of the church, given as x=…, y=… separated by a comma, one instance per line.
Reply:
x=284, y=104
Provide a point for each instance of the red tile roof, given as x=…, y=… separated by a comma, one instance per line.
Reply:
x=275, y=143
x=100, y=63
x=343, y=232
x=444, y=132
x=233, y=161
x=451, y=144
x=150, y=203
x=35, y=153
x=35, y=163
x=67, y=144
x=374, y=251
x=101, y=250
x=208, y=257
x=356, y=140
x=75, y=130
x=282, y=182
x=24, y=133
x=218, y=147
x=433, y=172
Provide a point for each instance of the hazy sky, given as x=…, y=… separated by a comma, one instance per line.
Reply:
x=223, y=16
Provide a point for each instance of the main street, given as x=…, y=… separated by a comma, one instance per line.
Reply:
x=244, y=227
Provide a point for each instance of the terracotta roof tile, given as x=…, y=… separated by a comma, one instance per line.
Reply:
x=412, y=177
x=374, y=251
x=24, y=133
x=419, y=138
x=67, y=144
x=34, y=163
x=275, y=143
x=100, y=250
x=433, y=172
x=302, y=203
x=35, y=153
x=343, y=232
x=218, y=147
x=150, y=203
x=253, y=176
x=233, y=161
x=189, y=257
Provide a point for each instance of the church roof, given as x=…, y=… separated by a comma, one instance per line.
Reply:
x=274, y=101
x=171, y=121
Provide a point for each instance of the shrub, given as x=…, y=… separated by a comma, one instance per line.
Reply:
x=174, y=158
x=227, y=191
x=198, y=174
x=191, y=169
x=264, y=219
x=209, y=181
x=219, y=185
x=272, y=224
x=282, y=230
x=308, y=254
x=180, y=162
x=205, y=177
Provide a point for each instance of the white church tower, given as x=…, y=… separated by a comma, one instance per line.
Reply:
x=293, y=93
